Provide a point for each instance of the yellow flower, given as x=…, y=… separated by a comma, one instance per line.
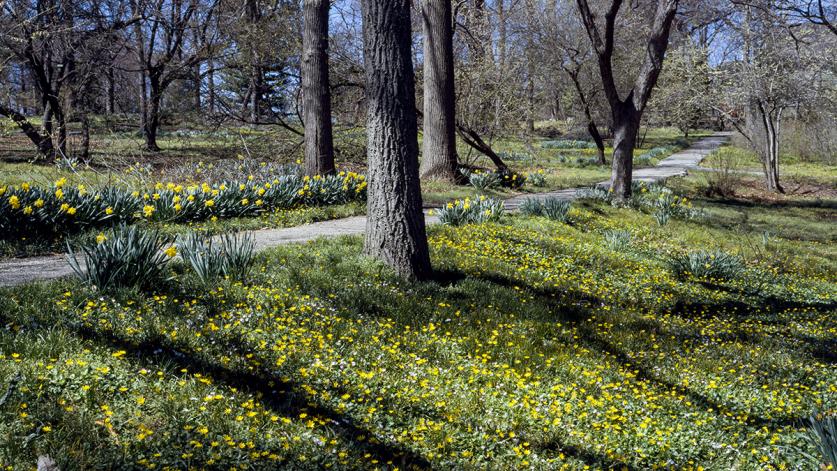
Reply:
x=71, y=211
x=59, y=193
x=101, y=238
x=27, y=210
x=14, y=202
x=245, y=202
x=108, y=210
x=24, y=186
x=39, y=203
x=65, y=207
x=209, y=203
x=171, y=251
x=148, y=210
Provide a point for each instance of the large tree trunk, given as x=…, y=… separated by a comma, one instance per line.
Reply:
x=625, y=123
x=439, y=156
x=395, y=229
x=43, y=142
x=316, y=93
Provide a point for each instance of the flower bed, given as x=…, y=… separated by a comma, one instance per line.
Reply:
x=60, y=208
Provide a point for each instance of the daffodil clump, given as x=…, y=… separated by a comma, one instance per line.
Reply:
x=31, y=210
x=468, y=211
x=548, y=349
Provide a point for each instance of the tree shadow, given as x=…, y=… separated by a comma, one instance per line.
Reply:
x=569, y=309
x=278, y=396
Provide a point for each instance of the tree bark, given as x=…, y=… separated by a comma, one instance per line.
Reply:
x=316, y=93
x=626, y=125
x=439, y=156
x=152, y=122
x=395, y=228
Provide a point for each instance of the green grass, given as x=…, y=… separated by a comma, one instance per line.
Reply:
x=790, y=166
x=537, y=347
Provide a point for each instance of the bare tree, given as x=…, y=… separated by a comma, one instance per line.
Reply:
x=319, y=146
x=439, y=156
x=627, y=113
x=163, y=53
x=395, y=228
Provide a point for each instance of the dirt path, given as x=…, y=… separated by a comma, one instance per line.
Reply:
x=24, y=270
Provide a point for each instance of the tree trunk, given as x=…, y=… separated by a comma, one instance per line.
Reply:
x=84, y=150
x=316, y=93
x=530, y=68
x=110, y=106
x=395, y=229
x=770, y=120
x=210, y=78
x=626, y=124
x=439, y=156
x=196, y=77
x=42, y=141
x=593, y=130
x=152, y=122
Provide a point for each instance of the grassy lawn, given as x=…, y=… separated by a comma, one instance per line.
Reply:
x=540, y=345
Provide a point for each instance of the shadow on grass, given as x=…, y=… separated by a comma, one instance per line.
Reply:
x=281, y=397
x=570, y=307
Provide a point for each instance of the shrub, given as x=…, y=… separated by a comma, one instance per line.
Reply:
x=125, y=257
x=702, y=264
x=484, y=181
x=822, y=433
x=617, y=240
x=553, y=208
x=537, y=179
x=469, y=211
x=211, y=258
x=723, y=179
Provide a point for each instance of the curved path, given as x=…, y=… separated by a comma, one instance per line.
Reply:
x=24, y=270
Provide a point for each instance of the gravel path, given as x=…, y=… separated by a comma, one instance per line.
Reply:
x=24, y=270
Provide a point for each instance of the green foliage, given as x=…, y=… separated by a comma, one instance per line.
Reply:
x=470, y=211
x=822, y=433
x=124, y=257
x=510, y=179
x=63, y=209
x=537, y=179
x=553, y=208
x=484, y=181
x=617, y=240
x=230, y=254
x=708, y=265
x=567, y=144
x=595, y=193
